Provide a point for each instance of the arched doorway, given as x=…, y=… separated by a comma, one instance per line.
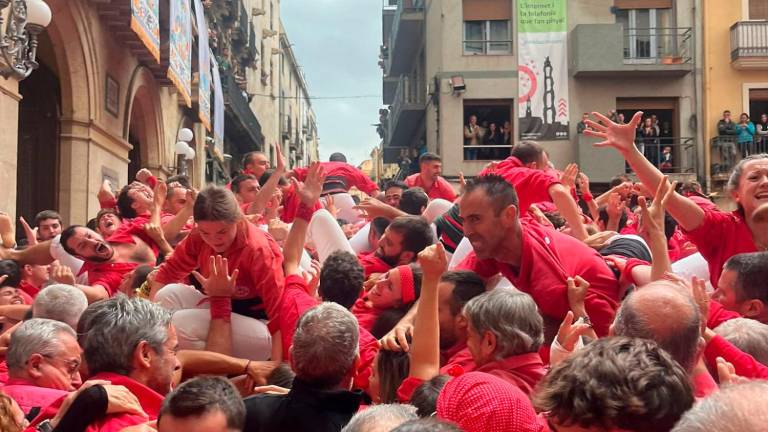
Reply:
x=38, y=144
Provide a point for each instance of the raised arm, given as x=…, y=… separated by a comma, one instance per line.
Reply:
x=266, y=192
x=622, y=137
x=425, y=355
x=567, y=207
x=309, y=194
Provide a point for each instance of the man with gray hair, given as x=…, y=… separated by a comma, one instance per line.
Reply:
x=129, y=342
x=505, y=332
x=747, y=335
x=203, y=404
x=381, y=418
x=735, y=408
x=60, y=302
x=43, y=363
x=324, y=356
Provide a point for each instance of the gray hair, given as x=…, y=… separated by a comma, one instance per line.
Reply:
x=512, y=316
x=36, y=336
x=110, y=330
x=735, y=408
x=659, y=318
x=381, y=418
x=748, y=335
x=60, y=302
x=735, y=178
x=325, y=345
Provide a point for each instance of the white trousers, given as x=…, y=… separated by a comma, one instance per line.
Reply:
x=250, y=337
x=359, y=241
x=345, y=204
x=436, y=208
x=327, y=235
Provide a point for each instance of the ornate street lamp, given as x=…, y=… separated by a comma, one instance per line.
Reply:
x=18, y=38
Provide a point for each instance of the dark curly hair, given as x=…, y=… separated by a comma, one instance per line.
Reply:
x=341, y=279
x=617, y=382
x=416, y=232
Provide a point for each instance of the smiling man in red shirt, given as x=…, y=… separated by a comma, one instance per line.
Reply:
x=428, y=178
x=536, y=259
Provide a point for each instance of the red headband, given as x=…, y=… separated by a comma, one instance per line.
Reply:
x=407, y=284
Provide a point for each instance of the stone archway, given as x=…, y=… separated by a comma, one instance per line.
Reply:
x=143, y=126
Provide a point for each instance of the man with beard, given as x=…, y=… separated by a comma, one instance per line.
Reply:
x=536, y=259
x=428, y=178
x=400, y=244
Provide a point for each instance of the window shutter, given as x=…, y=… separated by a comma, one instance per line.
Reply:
x=487, y=10
x=758, y=9
x=643, y=4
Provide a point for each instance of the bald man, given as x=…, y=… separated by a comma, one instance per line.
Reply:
x=664, y=311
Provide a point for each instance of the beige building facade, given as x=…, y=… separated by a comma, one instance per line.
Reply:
x=445, y=61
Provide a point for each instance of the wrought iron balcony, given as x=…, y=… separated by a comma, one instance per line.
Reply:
x=749, y=45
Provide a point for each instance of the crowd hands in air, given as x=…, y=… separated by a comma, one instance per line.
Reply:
x=279, y=303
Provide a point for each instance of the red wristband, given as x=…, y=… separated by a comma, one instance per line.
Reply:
x=221, y=308
x=587, y=197
x=305, y=212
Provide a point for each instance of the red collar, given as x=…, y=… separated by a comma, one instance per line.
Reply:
x=149, y=399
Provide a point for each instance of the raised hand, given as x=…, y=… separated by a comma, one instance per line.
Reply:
x=6, y=230
x=143, y=175
x=570, y=330
x=309, y=192
x=280, y=160
x=154, y=232
x=433, y=261
x=568, y=177
x=462, y=182
x=29, y=232
x=105, y=193
x=619, y=136
x=218, y=283
x=62, y=274
x=615, y=207
x=160, y=193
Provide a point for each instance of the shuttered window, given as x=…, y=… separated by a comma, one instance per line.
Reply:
x=487, y=10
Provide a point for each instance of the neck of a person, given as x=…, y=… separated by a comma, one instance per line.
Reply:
x=759, y=231
x=427, y=179
x=21, y=375
x=511, y=249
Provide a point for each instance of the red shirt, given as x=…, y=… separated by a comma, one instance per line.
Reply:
x=548, y=259
x=679, y=246
x=296, y=300
x=745, y=365
x=702, y=202
x=291, y=203
x=108, y=275
x=458, y=356
x=440, y=188
x=720, y=236
x=523, y=371
x=149, y=400
x=372, y=264
x=531, y=185
x=29, y=396
x=718, y=314
x=254, y=252
x=29, y=289
x=366, y=315
x=345, y=173
x=135, y=227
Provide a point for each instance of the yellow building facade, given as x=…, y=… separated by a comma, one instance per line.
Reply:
x=735, y=46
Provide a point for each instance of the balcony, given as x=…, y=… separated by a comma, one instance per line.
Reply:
x=598, y=50
x=407, y=110
x=241, y=124
x=405, y=36
x=749, y=45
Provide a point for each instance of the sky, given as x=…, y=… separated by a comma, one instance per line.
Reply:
x=337, y=44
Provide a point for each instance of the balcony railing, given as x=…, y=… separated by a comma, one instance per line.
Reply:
x=749, y=39
x=658, y=45
x=410, y=90
x=487, y=47
x=674, y=155
x=730, y=151
x=403, y=7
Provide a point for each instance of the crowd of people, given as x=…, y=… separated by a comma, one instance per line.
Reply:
x=496, y=137
x=518, y=301
x=739, y=140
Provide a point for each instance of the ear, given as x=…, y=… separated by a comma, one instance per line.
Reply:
x=752, y=308
x=509, y=215
x=142, y=355
x=406, y=257
x=461, y=321
x=33, y=366
x=735, y=195
x=488, y=344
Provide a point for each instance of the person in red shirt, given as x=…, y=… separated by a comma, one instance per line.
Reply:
x=504, y=334
x=129, y=343
x=246, y=188
x=43, y=363
x=526, y=170
x=255, y=163
x=107, y=222
x=401, y=242
x=429, y=179
x=455, y=289
x=742, y=286
x=536, y=259
x=397, y=288
x=717, y=235
x=223, y=239
x=33, y=277
x=340, y=177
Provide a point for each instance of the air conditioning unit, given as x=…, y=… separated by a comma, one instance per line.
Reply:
x=268, y=33
x=258, y=12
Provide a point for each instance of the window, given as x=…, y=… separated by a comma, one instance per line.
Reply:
x=487, y=130
x=649, y=34
x=758, y=10
x=487, y=37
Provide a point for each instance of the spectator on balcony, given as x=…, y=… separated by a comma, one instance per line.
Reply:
x=726, y=126
x=473, y=136
x=745, y=135
x=620, y=118
x=506, y=132
x=582, y=126
x=761, y=130
x=726, y=140
x=648, y=136
x=493, y=137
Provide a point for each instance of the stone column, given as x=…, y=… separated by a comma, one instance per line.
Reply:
x=9, y=119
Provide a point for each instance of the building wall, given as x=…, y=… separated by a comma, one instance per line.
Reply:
x=495, y=77
x=82, y=51
x=725, y=87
